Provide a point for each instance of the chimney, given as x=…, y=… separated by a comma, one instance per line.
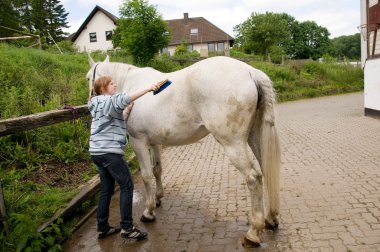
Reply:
x=186, y=17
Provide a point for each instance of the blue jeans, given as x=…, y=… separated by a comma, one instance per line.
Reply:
x=113, y=167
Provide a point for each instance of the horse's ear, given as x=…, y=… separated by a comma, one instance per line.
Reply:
x=107, y=58
x=90, y=60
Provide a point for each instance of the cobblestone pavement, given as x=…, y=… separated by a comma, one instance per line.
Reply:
x=330, y=189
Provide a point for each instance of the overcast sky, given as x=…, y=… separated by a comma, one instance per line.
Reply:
x=340, y=17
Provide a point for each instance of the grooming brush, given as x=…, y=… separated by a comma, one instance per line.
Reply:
x=163, y=84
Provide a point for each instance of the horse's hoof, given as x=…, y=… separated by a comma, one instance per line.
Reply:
x=249, y=244
x=158, y=202
x=146, y=220
x=271, y=226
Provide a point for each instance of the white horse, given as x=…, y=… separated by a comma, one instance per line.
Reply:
x=220, y=95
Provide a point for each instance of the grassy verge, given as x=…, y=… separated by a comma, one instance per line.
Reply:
x=305, y=79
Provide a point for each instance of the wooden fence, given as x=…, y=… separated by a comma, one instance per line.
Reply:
x=19, y=124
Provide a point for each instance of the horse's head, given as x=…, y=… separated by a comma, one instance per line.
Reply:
x=94, y=72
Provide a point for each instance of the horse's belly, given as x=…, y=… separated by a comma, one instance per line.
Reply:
x=175, y=136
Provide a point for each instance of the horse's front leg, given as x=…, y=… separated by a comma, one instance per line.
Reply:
x=157, y=171
x=141, y=148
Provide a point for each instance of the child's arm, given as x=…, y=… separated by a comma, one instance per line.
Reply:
x=135, y=95
x=127, y=111
x=119, y=102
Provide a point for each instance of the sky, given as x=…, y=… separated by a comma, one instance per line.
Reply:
x=340, y=17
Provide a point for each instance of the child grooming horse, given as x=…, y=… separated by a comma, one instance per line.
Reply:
x=107, y=144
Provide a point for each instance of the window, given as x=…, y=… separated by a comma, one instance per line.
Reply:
x=93, y=37
x=108, y=35
x=164, y=50
x=190, y=48
x=211, y=47
x=194, y=31
x=220, y=46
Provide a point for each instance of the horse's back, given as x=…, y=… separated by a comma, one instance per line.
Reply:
x=224, y=94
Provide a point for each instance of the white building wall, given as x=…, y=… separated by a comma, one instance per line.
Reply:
x=371, y=65
x=100, y=23
x=372, y=84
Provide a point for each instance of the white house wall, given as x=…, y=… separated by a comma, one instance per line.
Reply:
x=371, y=66
x=372, y=84
x=100, y=23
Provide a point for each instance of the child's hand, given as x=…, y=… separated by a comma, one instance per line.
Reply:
x=156, y=86
x=127, y=111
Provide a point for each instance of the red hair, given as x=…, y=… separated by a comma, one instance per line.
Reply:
x=101, y=84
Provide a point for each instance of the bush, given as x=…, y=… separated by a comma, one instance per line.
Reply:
x=164, y=64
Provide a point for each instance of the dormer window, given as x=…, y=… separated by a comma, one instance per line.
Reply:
x=194, y=31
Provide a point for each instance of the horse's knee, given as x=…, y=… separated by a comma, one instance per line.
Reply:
x=147, y=177
x=253, y=179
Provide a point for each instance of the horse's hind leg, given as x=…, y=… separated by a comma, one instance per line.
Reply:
x=238, y=153
x=141, y=148
x=157, y=171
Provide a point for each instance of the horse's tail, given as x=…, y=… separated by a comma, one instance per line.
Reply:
x=267, y=139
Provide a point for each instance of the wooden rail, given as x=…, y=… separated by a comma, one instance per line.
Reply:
x=18, y=124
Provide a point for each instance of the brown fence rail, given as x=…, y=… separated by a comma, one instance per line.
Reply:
x=18, y=124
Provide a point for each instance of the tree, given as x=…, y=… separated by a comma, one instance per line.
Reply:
x=347, y=46
x=261, y=32
x=49, y=17
x=310, y=41
x=44, y=17
x=290, y=45
x=141, y=30
x=8, y=17
x=39, y=16
x=24, y=8
x=56, y=19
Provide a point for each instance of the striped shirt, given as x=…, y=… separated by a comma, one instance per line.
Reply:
x=108, y=130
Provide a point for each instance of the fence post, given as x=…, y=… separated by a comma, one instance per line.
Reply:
x=3, y=213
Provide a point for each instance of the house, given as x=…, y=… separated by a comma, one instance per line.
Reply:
x=370, y=55
x=96, y=33
x=199, y=34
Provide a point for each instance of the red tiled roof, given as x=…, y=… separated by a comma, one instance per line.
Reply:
x=207, y=32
